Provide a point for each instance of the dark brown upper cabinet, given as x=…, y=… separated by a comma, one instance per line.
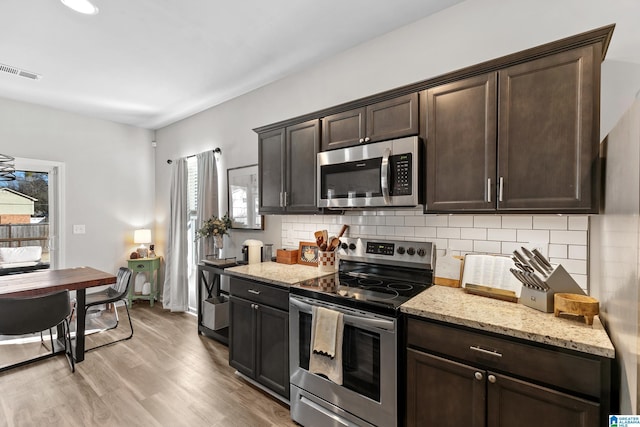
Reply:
x=524, y=138
x=287, y=168
x=393, y=118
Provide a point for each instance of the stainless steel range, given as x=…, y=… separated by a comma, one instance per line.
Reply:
x=375, y=277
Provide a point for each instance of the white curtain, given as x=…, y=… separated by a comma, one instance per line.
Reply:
x=175, y=296
x=207, y=195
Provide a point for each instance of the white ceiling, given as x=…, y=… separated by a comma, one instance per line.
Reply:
x=150, y=63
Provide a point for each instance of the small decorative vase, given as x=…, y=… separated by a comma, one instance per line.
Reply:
x=217, y=246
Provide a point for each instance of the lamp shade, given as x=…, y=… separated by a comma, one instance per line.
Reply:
x=142, y=236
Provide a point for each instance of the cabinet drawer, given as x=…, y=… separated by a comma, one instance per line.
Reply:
x=568, y=371
x=260, y=293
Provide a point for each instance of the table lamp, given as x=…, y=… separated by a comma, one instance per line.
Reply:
x=142, y=236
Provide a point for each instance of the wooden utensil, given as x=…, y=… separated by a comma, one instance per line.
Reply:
x=343, y=230
x=334, y=242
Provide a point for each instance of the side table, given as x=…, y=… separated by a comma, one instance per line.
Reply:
x=144, y=265
x=209, y=285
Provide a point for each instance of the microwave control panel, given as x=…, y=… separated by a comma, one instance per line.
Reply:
x=400, y=174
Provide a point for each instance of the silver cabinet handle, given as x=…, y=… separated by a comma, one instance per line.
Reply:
x=285, y=199
x=478, y=376
x=489, y=190
x=482, y=350
x=500, y=191
x=281, y=200
x=253, y=291
x=367, y=139
x=361, y=140
x=492, y=379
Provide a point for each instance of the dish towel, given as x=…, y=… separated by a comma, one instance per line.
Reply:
x=327, y=328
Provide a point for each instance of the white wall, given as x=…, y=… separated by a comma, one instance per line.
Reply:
x=109, y=173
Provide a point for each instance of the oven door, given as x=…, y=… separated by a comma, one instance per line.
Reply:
x=369, y=389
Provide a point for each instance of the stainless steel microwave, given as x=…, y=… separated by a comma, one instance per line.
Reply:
x=382, y=174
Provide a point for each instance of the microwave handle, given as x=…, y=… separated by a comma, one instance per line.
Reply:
x=384, y=176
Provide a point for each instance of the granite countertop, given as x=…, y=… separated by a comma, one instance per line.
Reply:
x=275, y=273
x=453, y=305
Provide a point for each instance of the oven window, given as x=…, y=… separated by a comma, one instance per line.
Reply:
x=360, y=357
x=352, y=179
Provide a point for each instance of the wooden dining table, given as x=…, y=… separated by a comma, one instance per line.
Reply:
x=45, y=281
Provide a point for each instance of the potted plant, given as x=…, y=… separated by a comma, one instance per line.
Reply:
x=214, y=229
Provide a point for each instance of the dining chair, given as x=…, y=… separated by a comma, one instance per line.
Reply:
x=111, y=295
x=33, y=314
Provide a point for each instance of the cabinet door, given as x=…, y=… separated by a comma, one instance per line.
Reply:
x=343, y=129
x=303, y=142
x=548, y=135
x=441, y=392
x=272, y=364
x=271, y=157
x=461, y=145
x=394, y=118
x=242, y=336
x=517, y=403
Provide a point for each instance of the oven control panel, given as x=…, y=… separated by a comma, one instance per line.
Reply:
x=391, y=252
x=380, y=248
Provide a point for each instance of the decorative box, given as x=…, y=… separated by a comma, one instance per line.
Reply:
x=287, y=256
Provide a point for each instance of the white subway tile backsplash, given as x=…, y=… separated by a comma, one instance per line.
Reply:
x=550, y=222
x=461, y=245
x=565, y=237
x=461, y=221
x=558, y=251
x=473, y=233
x=437, y=220
x=579, y=223
x=405, y=231
x=487, y=221
x=513, y=221
x=577, y=252
x=384, y=230
x=501, y=234
x=526, y=236
x=428, y=232
x=487, y=247
x=448, y=233
x=394, y=220
x=573, y=266
x=376, y=220
x=569, y=237
x=415, y=221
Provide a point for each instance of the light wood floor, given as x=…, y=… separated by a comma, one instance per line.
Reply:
x=166, y=375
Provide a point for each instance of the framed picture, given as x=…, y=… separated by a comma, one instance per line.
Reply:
x=308, y=253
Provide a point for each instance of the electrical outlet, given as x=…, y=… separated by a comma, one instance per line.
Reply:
x=542, y=247
x=78, y=229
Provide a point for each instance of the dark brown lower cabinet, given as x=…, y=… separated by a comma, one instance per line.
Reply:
x=446, y=393
x=456, y=377
x=259, y=335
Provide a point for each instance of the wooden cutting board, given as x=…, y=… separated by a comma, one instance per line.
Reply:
x=448, y=271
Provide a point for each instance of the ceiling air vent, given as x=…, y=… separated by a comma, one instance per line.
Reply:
x=19, y=72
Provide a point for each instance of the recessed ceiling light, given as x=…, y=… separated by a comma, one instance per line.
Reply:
x=81, y=6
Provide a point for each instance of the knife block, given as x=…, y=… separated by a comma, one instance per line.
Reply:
x=558, y=281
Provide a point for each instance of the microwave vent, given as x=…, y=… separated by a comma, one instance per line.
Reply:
x=19, y=72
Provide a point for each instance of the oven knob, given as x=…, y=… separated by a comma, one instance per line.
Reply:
x=400, y=250
x=352, y=246
x=422, y=252
x=344, y=246
x=411, y=251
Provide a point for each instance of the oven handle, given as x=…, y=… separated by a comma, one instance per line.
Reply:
x=384, y=176
x=348, y=318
